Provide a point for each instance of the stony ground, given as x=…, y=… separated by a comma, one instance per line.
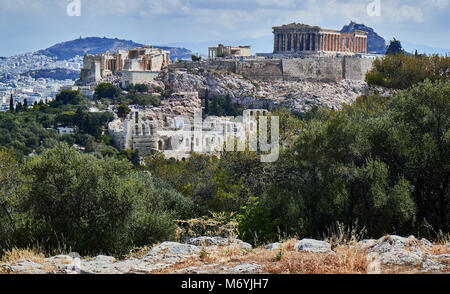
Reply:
x=207, y=255
x=299, y=96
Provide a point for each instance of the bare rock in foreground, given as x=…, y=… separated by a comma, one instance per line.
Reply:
x=215, y=255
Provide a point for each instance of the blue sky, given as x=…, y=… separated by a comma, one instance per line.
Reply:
x=28, y=25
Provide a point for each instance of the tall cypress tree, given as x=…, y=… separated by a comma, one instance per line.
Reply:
x=18, y=107
x=11, y=103
x=395, y=47
x=206, y=102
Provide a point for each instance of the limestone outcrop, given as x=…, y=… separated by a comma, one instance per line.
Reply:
x=299, y=96
x=393, y=253
x=216, y=255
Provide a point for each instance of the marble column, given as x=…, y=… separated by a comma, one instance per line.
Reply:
x=316, y=40
x=275, y=43
x=328, y=42
x=321, y=42
x=280, y=40
x=295, y=48
x=303, y=42
x=337, y=43
x=292, y=42
x=300, y=42
x=334, y=43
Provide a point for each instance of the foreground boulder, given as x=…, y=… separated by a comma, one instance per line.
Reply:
x=215, y=255
x=313, y=246
x=219, y=241
x=173, y=249
x=395, y=253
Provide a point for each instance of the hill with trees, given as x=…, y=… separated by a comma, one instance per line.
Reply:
x=96, y=45
x=380, y=163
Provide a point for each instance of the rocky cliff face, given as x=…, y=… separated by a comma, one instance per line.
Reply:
x=297, y=96
x=375, y=43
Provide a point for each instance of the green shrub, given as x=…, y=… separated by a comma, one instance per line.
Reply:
x=255, y=223
x=94, y=206
x=402, y=71
x=107, y=90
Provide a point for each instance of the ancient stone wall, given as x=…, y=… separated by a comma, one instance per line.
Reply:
x=137, y=77
x=215, y=65
x=260, y=70
x=356, y=68
x=323, y=69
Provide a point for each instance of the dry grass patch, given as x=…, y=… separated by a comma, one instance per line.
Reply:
x=14, y=256
x=138, y=253
x=346, y=260
x=439, y=250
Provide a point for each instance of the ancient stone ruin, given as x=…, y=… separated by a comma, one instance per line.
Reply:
x=305, y=39
x=177, y=129
x=138, y=65
x=229, y=51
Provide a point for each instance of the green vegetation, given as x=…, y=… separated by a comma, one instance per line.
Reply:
x=402, y=71
x=140, y=88
x=394, y=48
x=221, y=106
x=196, y=58
x=379, y=166
x=87, y=204
x=123, y=110
x=34, y=129
x=106, y=90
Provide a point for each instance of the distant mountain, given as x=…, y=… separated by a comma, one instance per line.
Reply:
x=264, y=44
x=95, y=45
x=56, y=74
x=375, y=43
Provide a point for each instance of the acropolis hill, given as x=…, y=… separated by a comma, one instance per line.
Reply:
x=309, y=66
x=301, y=53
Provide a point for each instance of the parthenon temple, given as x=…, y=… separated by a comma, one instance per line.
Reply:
x=304, y=39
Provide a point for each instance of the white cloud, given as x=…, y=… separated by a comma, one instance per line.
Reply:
x=441, y=4
x=238, y=18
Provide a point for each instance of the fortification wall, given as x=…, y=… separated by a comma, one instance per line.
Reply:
x=217, y=65
x=261, y=69
x=323, y=69
x=356, y=68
